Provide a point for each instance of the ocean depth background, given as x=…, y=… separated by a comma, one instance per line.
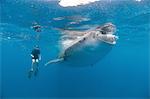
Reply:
x=121, y=73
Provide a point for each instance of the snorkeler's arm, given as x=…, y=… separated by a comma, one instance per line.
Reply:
x=40, y=57
x=31, y=27
x=36, y=26
x=32, y=55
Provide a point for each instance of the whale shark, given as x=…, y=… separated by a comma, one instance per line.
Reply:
x=85, y=43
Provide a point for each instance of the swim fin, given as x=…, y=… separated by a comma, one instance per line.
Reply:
x=30, y=74
x=36, y=72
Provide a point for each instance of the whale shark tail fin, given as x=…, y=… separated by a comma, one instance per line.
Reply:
x=54, y=61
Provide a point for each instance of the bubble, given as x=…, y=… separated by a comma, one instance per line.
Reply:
x=9, y=38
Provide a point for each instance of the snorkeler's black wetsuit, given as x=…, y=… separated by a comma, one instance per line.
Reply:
x=35, y=53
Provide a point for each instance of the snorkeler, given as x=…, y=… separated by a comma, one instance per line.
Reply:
x=37, y=28
x=36, y=57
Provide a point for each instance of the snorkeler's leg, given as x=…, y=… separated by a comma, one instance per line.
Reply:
x=32, y=69
x=32, y=66
x=36, y=68
x=37, y=63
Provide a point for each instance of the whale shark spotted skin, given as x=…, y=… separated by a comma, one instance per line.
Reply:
x=73, y=39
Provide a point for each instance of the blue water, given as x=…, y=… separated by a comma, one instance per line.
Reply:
x=121, y=72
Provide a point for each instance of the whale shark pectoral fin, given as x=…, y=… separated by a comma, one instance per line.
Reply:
x=62, y=55
x=60, y=58
x=54, y=61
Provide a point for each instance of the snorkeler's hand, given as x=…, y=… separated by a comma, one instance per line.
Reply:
x=31, y=27
x=40, y=58
x=32, y=56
